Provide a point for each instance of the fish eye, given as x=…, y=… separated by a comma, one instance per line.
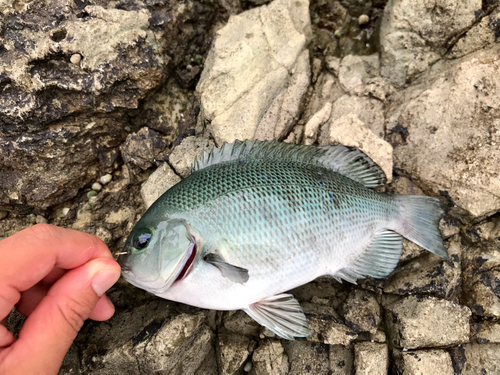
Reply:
x=142, y=239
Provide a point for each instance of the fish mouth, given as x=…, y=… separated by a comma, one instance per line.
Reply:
x=188, y=264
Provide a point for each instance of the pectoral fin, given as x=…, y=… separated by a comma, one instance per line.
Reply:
x=233, y=273
x=282, y=314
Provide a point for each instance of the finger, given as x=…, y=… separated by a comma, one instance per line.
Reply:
x=6, y=338
x=30, y=255
x=103, y=310
x=51, y=328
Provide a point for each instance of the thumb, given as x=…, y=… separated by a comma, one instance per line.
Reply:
x=51, y=328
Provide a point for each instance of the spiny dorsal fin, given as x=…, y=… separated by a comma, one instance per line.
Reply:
x=348, y=161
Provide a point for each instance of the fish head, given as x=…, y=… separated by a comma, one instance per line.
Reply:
x=154, y=257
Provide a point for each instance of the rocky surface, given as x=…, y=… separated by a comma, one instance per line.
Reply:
x=92, y=133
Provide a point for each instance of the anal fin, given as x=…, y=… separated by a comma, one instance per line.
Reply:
x=282, y=314
x=378, y=260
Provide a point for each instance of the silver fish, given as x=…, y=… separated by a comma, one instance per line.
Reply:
x=255, y=219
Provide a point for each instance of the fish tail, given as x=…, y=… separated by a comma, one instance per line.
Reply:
x=418, y=221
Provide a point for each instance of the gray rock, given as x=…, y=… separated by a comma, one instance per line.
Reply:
x=341, y=360
x=182, y=157
x=371, y=358
x=417, y=362
x=481, y=359
x=159, y=182
x=232, y=352
x=429, y=274
x=412, y=35
x=362, y=311
x=463, y=171
x=417, y=322
x=265, y=46
x=269, y=359
x=144, y=149
x=356, y=70
x=307, y=358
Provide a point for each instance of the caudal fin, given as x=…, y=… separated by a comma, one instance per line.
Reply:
x=419, y=222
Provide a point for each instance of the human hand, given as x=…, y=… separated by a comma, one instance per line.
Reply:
x=57, y=278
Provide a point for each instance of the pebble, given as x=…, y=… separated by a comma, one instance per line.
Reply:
x=106, y=178
x=91, y=193
x=31, y=219
x=41, y=220
x=248, y=367
x=65, y=211
x=75, y=58
x=363, y=19
x=3, y=214
x=96, y=186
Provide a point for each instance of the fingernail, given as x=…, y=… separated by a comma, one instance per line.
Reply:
x=104, y=280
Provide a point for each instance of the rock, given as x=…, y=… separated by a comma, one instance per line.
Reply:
x=423, y=362
x=355, y=70
x=486, y=332
x=182, y=157
x=481, y=359
x=341, y=360
x=326, y=90
x=41, y=220
x=241, y=323
x=362, y=311
x=329, y=330
x=307, y=358
x=159, y=182
x=417, y=322
x=412, y=35
x=106, y=179
x=269, y=359
x=478, y=37
x=465, y=170
x=254, y=58
x=143, y=149
x=96, y=186
x=363, y=19
x=75, y=58
x=371, y=358
x=313, y=125
x=429, y=274
x=3, y=214
x=233, y=351
x=350, y=131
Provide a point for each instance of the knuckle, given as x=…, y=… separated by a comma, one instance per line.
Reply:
x=74, y=312
x=43, y=231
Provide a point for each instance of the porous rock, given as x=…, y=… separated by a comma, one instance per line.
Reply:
x=269, y=359
x=241, y=323
x=417, y=362
x=485, y=332
x=459, y=105
x=371, y=358
x=417, y=322
x=481, y=359
x=257, y=68
x=305, y=357
x=413, y=33
x=361, y=311
x=429, y=274
x=232, y=352
x=329, y=330
x=341, y=359
x=162, y=179
x=144, y=149
x=182, y=157
x=355, y=70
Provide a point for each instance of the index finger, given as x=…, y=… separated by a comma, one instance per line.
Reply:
x=29, y=255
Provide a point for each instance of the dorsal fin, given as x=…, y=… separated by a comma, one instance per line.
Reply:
x=348, y=161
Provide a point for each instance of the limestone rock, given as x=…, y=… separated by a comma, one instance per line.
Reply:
x=307, y=358
x=159, y=182
x=429, y=274
x=241, y=323
x=341, y=360
x=233, y=350
x=362, y=311
x=486, y=332
x=481, y=359
x=417, y=322
x=355, y=70
x=269, y=359
x=459, y=105
x=182, y=157
x=412, y=34
x=350, y=131
x=423, y=362
x=371, y=358
x=254, y=58
x=143, y=149
x=313, y=125
x=329, y=330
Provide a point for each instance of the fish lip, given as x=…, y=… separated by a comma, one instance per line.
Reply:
x=179, y=268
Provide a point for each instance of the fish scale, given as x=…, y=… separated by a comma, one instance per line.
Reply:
x=256, y=219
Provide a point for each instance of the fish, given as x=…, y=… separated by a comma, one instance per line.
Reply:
x=256, y=219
